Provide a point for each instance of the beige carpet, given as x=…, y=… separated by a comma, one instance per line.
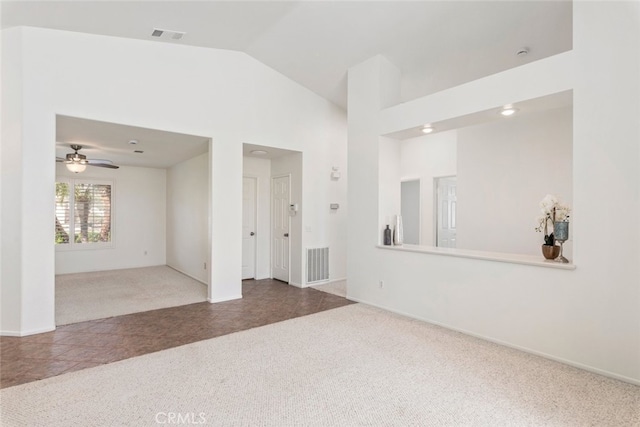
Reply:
x=350, y=366
x=338, y=288
x=102, y=294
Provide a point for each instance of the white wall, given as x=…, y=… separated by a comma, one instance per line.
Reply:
x=188, y=217
x=335, y=226
x=138, y=221
x=588, y=317
x=11, y=204
x=225, y=95
x=426, y=158
x=292, y=165
x=261, y=170
x=504, y=169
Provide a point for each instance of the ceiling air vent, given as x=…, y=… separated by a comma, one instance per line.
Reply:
x=167, y=34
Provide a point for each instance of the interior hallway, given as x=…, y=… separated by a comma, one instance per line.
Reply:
x=88, y=344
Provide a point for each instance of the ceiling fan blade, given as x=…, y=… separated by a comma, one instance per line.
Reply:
x=104, y=165
x=82, y=159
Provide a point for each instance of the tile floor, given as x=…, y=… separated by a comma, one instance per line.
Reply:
x=87, y=344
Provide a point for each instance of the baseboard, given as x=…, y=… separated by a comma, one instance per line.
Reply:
x=26, y=333
x=297, y=285
x=95, y=270
x=326, y=282
x=322, y=282
x=187, y=274
x=506, y=344
x=213, y=301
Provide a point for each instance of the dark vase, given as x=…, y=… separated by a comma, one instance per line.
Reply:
x=550, y=252
x=387, y=236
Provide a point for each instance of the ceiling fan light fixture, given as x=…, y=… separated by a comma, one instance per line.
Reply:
x=76, y=167
x=76, y=162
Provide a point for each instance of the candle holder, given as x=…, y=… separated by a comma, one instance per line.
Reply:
x=561, y=233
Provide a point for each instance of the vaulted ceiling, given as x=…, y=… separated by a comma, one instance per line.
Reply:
x=436, y=44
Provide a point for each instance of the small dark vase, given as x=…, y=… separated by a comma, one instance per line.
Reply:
x=387, y=236
x=550, y=252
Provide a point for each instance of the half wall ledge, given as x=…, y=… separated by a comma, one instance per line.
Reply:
x=480, y=255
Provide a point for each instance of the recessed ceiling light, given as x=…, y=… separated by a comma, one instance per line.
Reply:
x=138, y=151
x=259, y=152
x=427, y=129
x=508, y=111
x=133, y=141
x=523, y=51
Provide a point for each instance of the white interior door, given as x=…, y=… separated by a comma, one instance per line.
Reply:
x=248, y=228
x=280, y=199
x=446, y=212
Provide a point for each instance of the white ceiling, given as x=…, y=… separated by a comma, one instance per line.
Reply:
x=271, y=152
x=543, y=103
x=435, y=44
x=109, y=141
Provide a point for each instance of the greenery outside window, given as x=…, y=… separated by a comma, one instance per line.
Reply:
x=83, y=213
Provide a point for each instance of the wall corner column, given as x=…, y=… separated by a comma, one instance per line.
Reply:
x=372, y=85
x=225, y=223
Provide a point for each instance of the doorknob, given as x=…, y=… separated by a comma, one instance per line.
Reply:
x=252, y=234
x=286, y=234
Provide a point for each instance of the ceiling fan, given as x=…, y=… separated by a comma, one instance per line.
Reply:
x=77, y=162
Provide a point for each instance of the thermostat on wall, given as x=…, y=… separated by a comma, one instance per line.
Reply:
x=334, y=206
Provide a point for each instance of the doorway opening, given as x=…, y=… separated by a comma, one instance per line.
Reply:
x=277, y=240
x=144, y=221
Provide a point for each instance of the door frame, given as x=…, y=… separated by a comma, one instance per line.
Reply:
x=273, y=177
x=256, y=180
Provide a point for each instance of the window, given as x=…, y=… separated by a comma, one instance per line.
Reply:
x=83, y=213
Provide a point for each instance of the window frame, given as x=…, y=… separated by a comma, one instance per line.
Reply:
x=72, y=245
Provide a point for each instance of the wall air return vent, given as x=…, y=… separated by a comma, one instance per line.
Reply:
x=317, y=265
x=167, y=34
